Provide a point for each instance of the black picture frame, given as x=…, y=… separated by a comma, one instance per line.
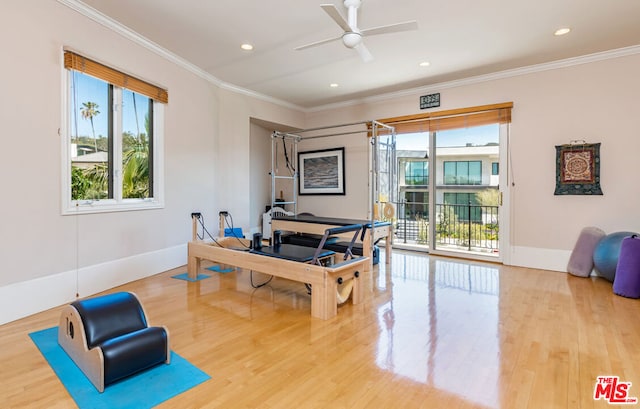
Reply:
x=321, y=172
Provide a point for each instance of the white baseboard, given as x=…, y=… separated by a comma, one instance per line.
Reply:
x=25, y=298
x=530, y=257
x=544, y=259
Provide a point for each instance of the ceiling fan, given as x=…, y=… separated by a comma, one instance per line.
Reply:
x=352, y=36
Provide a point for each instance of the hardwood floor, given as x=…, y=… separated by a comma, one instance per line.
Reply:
x=432, y=333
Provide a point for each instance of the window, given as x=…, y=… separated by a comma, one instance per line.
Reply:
x=463, y=173
x=416, y=173
x=466, y=206
x=416, y=205
x=113, y=156
x=495, y=168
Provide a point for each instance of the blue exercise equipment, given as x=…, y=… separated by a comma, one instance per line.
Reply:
x=607, y=252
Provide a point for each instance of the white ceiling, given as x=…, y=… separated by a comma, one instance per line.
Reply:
x=460, y=39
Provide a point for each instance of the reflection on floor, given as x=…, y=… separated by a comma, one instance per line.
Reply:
x=432, y=332
x=418, y=341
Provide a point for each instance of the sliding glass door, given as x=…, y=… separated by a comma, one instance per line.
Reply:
x=452, y=181
x=450, y=191
x=466, y=190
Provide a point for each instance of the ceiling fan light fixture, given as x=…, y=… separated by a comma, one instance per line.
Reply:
x=351, y=39
x=351, y=35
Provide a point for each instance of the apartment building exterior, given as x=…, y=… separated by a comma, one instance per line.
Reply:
x=466, y=185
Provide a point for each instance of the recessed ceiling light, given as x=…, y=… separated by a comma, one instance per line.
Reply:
x=333, y=85
x=425, y=64
x=561, y=31
x=246, y=47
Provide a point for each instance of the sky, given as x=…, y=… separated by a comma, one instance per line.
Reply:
x=89, y=89
x=479, y=135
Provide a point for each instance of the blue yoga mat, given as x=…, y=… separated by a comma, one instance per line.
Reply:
x=143, y=390
x=219, y=269
x=185, y=277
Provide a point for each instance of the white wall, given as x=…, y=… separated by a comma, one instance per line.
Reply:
x=47, y=257
x=260, y=164
x=596, y=101
x=236, y=176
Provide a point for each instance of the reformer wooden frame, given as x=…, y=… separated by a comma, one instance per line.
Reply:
x=323, y=280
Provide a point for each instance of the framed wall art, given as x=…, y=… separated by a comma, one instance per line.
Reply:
x=578, y=169
x=321, y=172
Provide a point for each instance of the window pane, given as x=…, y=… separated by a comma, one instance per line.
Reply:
x=89, y=118
x=417, y=205
x=416, y=173
x=495, y=168
x=462, y=173
x=464, y=205
x=137, y=120
x=476, y=209
x=449, y=198
x=475, y=172
x=449, y=173
x=425, y=172
x=407, y=174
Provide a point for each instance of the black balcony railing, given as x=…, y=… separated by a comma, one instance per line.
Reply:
x=462, y=226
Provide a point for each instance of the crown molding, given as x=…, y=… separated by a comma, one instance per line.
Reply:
x=531, y=69
x=137, y=38
x=131, y=35
x=266, y=98
x=126, y=32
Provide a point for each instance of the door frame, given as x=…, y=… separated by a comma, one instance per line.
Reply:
x=504, y=242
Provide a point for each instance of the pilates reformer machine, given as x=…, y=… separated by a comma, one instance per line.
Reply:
x=381, y=167
x=317, y=225
x=331, y=281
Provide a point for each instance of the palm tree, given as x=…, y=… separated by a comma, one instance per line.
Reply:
x=98, y=187
x=135, y=112
x=135, y=174
x=89, y=110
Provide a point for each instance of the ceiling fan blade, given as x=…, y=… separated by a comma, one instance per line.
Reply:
x=328, y=40
x=391, y=28
x=333, y=12
x=364, y=52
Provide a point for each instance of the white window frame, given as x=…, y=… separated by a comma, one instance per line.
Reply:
x=117, y=204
